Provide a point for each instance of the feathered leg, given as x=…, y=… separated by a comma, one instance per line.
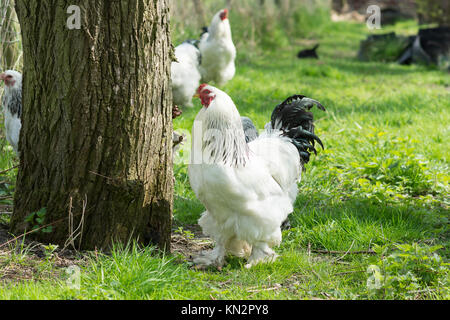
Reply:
x=215, y=257
x=261, y=253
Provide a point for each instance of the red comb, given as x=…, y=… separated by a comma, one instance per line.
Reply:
x=224, y=14
x=201, y=87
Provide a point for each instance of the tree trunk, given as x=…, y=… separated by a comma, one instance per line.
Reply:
x=199, y=8
x=97, y=124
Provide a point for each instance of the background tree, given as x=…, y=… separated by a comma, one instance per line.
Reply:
x=97, y=123
x=201, y=12
x=10, y=53
x=437, y=11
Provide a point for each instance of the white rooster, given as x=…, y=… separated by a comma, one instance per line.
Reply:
x=218, y=51
x=248, y=189
x=185, y=73
x=12, y=106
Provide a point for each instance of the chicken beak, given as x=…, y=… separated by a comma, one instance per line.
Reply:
x=2, y=76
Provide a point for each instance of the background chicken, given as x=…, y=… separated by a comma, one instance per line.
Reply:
x=309, y=53
x=248, y=189
x=12, y=106
x=185, y=73
x=218, y=51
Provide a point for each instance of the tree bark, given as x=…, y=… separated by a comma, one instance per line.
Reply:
x=96, y=133
x=199, y=8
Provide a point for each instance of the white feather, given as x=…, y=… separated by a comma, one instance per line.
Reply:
x=12, y=128
x=185, y=74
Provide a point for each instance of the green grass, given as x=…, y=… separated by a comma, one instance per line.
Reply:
x=381, y=182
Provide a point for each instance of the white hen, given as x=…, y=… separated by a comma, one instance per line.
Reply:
x=12, y=106
x=185, y=74
x=248, y=189
x=218, y=51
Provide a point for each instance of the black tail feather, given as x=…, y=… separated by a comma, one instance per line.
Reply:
x=293, y=117
x=204, y=30
x=193, y=42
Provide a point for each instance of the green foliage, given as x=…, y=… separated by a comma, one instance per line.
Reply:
x=185, y=233
x=392, y=168
x=404, y=273
x=49, y=250
x=37, y=220
x=387, y=49
x=436, y=11
x=187, y=208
